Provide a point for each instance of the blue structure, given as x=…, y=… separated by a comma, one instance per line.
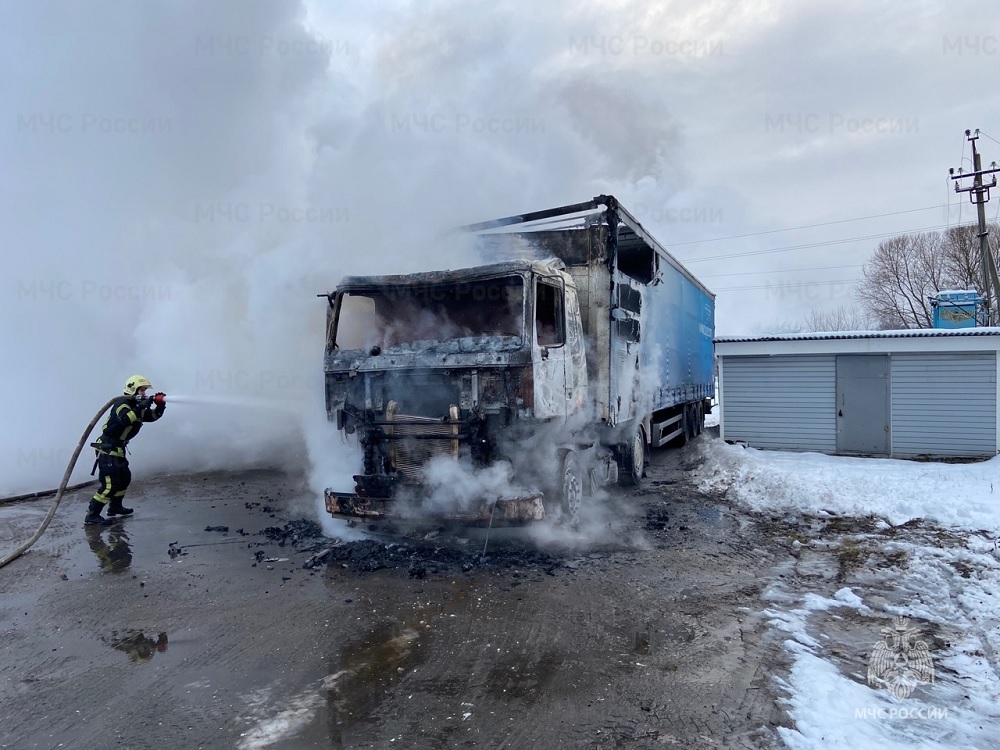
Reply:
x=956, y=309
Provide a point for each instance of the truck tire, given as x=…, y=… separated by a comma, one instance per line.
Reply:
x=633, y=459
x=570, y=488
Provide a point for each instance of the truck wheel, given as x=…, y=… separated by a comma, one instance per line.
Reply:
x=633, y=459
x=571, y=488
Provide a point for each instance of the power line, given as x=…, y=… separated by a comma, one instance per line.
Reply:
x=808, y=226
x=779, y=286
x=997, y=215
x=981, y=133
x=775, y=271
x=813, y=244
x=961, y=161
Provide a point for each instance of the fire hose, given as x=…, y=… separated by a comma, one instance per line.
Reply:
x=62, y=488
x=28, y=496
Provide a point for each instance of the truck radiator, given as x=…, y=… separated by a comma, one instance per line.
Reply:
x=410, y=456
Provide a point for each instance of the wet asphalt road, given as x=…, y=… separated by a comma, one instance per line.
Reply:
x=185, y=626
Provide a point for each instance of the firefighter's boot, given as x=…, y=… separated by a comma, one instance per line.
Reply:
x=94, y=515
x=115, y=508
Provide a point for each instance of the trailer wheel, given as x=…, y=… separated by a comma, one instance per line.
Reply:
x=571, y=488
x=633, y=459
x=685, y=424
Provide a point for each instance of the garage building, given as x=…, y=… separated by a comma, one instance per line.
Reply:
x=914, y=393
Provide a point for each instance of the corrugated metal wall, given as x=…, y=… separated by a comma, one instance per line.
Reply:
x=781, y=402
x=944, y=404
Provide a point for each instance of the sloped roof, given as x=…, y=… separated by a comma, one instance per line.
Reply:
x=842, y=335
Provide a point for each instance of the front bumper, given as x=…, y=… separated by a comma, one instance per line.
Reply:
x=509, y=511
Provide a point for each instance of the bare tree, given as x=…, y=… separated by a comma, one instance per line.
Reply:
x=897, y=280
x=779, y=329
x=841, y=319
x=817, y=321
x=962, y=263
x=905, y=271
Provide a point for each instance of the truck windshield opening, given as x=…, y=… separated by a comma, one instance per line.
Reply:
x=394, y=316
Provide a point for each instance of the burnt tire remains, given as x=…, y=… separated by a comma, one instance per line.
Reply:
x=633, y=459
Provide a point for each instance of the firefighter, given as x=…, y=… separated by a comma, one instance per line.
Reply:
x=128, y=412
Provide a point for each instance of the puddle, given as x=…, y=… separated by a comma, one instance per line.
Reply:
x=709, y=514
x=369, y=668
x=111, y=547
x=138, y=646
x=361, y=676
x=677, y=632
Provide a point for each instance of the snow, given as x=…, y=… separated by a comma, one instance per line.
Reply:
x=946, y=584
x=963, y=496
x=958, y=292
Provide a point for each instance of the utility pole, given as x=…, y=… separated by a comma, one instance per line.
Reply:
x=979, y=194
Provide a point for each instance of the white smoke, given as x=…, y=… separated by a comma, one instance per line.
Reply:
x=180, y=180
x=450, y=485
x=531, y=469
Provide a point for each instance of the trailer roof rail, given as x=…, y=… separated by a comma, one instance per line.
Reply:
x=608, y=202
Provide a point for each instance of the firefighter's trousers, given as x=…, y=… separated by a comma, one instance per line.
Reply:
x=114, y=476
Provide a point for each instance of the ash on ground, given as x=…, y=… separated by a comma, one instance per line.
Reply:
x=419, y=558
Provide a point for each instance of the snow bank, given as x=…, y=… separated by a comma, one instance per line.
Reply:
x=832, y=708
x=963, y=496
x=953, y=590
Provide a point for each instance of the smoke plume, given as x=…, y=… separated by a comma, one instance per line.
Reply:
x=181, y=179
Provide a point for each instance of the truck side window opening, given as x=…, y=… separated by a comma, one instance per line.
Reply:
x=629, y=298
x=635, y=257
x=550, y=328
x=629, y=330
x=357, y=327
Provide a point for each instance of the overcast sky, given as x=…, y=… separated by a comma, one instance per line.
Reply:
x=709, y=120
x=179, y=179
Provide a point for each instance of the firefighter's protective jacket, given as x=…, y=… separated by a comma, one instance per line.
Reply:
x=124, y=423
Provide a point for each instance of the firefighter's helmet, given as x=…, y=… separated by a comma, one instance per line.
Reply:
x=134, y=383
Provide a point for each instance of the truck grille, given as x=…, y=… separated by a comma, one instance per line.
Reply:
x=437, y=439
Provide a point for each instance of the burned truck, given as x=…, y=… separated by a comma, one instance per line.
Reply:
x=548, y=374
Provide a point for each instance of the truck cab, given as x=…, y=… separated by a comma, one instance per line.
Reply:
x=464, y=364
